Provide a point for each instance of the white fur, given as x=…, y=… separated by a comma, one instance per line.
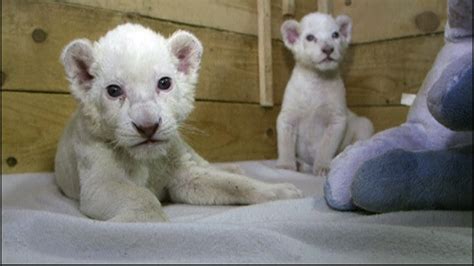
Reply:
x=314, y=123
x=100, y=160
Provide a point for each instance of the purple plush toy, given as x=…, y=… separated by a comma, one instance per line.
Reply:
x=426, y=163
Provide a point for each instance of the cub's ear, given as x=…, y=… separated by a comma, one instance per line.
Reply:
x=187, y=49
x=345, y=27
x=290, y=31
x=77, y=58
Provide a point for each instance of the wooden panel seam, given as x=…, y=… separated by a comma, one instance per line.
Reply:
x=265, y=69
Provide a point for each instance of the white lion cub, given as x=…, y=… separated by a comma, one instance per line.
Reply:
x=314, y=123
x=121, y=153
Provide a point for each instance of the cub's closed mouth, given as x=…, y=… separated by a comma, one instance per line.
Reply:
x=151, y=141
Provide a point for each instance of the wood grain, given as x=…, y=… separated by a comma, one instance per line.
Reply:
x=375, y=20
x=238, y=16
x=383, y=117
x=378, y=73
x=33, y=123
x=375, y=74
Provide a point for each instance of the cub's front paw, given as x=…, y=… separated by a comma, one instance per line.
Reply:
x=321, y=171
x=232, y=168
x=277, y=191
x=286, y=165
x=321, y=168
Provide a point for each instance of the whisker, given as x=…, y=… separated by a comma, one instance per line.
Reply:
x=192, y=130
x=115, y=144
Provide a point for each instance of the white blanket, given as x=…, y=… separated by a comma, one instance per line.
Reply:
x=41, y=225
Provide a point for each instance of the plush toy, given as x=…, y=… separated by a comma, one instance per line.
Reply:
x=426, y=163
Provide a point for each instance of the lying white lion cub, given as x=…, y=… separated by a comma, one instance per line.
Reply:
x=314, y=123
x=121, y=152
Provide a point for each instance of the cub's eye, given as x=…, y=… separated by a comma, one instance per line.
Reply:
x=335, y=35
x=310, y=37
x=164, y=83
x=114, y=91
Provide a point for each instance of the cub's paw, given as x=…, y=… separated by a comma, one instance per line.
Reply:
x=279, y=191
x=321, y=168
x=232, y=168
x=321, y=171
x=286, y=165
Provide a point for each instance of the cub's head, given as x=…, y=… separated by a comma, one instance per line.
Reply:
x=134, y=86
x=318, y=41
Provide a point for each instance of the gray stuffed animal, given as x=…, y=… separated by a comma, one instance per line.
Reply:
x=426, y=163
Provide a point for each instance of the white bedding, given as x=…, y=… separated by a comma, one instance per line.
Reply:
x=41, y=225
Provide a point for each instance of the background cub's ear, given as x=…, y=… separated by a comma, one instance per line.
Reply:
x=187, y=49
x=77, y=58
x=345, y=27
x=290, y=31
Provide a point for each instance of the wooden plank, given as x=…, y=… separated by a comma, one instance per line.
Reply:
x=288, y=8
x=378, y=73
x=389, y=19
x=326, y=6
x=232, y=131
x=375, y=74
x=265, y=53
x=236, y=16
x=33, y=122
x=383, y=117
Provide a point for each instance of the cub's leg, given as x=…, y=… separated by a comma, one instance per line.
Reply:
x=330, y=142
x=358, y=128
x=208, y=186
x=198, y=160
x=286, y=138
x=107, y=193
x=305, y=168
x=232, y=168
x=361, y=127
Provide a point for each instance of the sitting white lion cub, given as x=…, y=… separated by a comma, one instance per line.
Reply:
x=314, y=123
x=121, y=152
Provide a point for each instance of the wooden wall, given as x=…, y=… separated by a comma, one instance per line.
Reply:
x=395, y=43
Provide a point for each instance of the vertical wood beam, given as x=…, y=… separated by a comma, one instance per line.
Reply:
x=325, y=6
x=265, y=53
x=288, y=8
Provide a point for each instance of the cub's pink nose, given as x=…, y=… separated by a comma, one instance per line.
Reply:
x=147, y=131
x=328, y=50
